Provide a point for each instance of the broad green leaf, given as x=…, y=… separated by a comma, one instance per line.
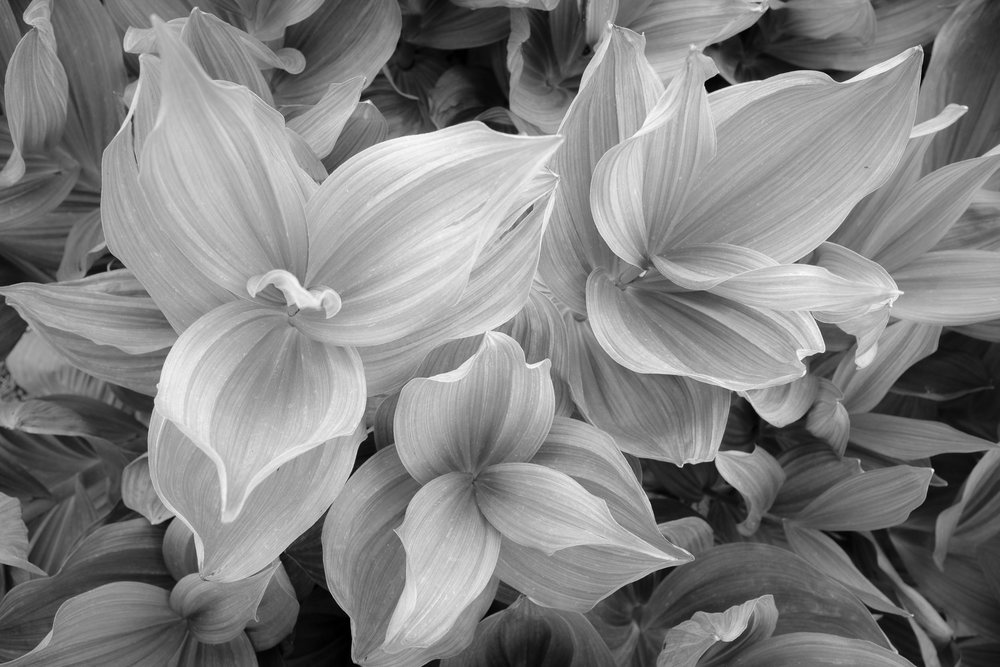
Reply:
x=757, y=476
x=824, y=554
x=806, y=599
x=662, y=417
x=286, y=502
x=124, y=622
x=365, y=127
x=422, y=205
x=320, y=125
x=126, y=551
x=950, y=287
x=525, y=633
x=217, y=612
x=910, y=439
x=267, y=20
x=451, y=552
x=818, y=649
x=617, y=91
x=339, y=41
x=36, y=92
x=650, y=327
x=494, y=408
x=715, y=638
x=822, y=19
x=14, y=536
x=810, y=469
x=193, y=653
x=252, y=392
x=870, y=501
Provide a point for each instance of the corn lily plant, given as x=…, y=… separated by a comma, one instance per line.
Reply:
x=483, y=483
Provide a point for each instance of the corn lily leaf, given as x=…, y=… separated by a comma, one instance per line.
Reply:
x=577, y=577
x=216, y=612
x=492, y=409
x=949, y=287
x=785, y=403
x=964, y=53
x=126, y=551
x=237, y=651
x=36, y=92
x=817, y=19
x=499, y=285
x=945, y=376
x=959, y=589
x=218, y=152
x=690, y=533
x=90, y=52
x=124, y=621
x=421, y=171
x=364, y=561
x=898, y=26
x=14, y=536
x=967, y=522
x=321, y=124
x=900, y=346
x=138, y=493
x=806, y=599
x=617, y=91
x=824, y=554
x=69, y=415
x=543, y=60
x=662, y=417
x=810, y=470
x=650, y=327
x=870, y=501
x=715, y=638
x=451, y=552
x=84, y=246
x=818, y=649
x=365, y=127
x=525, y=632
x=449, y=26
x=910, y=439
x=757, y=476
x=180, y=552
x=275, y=616
x=339, y=42
x=187, y=483
x=41, y=189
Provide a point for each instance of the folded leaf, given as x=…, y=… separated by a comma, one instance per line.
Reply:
x=494, y=408
x=339, y=41
x=828, y=418
x=138, y=493
x=126, y=622
x=785, y=403
x=69, y=415
x=617, y=91
x=649, y=327
x=276, y=614
x=529, y=634
x=822, y=19
x=662, y=417
x=757, y=476
x=810, y=469
x=321, y=124
x=968, y=520
x=873, y=500
x=824, y=554
x=806, y=599
x=286, y=502
x=712, y=639
x=14, y=536
x=36, y=92
x=216, y=612
x=451, y=552
x=253, y=392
